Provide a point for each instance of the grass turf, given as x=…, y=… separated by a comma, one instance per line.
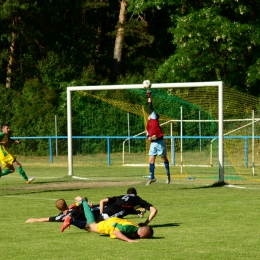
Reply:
x=194, y=221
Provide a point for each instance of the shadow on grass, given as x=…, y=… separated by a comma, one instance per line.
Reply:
x=166, y=225
x=214, y=185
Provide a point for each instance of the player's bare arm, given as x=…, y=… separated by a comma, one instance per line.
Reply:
x=121, y=236
x=153, y=212
x=102, y=204
x=31, y=220
x=14, y=141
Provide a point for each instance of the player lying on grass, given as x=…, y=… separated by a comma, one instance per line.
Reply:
x=123, y=205
x=119, y=206
x=114, y=227
x=61, y=205
x=76, y=211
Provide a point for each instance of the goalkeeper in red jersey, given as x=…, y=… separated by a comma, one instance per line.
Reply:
x=8, y=160
x=157, y=146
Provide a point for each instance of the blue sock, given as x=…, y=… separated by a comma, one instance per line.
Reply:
x=167, y=167
x=151, y=169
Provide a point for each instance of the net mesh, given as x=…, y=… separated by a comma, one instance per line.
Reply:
x=195, y=155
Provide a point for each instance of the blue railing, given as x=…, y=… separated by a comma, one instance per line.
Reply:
x=108, y=138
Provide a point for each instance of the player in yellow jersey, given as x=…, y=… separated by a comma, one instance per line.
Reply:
x=114, y=227
x=8, y=160
x=111, y=225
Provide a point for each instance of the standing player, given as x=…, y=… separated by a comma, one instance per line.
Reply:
x=157, y=146
x=7, y=160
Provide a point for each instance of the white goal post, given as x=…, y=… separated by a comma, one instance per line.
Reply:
x=218, y=84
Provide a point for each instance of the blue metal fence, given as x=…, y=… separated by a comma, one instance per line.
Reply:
x=108, y=138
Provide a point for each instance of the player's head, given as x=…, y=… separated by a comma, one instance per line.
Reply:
x=132, y=191
x=145, y=232
x=61, y=204
x=6, y=128
x=6, y=124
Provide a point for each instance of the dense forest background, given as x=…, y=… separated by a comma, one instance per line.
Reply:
x=48, y=45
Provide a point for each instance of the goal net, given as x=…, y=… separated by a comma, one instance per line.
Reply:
x=241, y=142
x=107, y=137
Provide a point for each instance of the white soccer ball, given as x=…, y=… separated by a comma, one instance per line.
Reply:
x=147, y=84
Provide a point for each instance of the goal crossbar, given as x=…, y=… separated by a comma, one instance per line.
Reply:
x=218, y=84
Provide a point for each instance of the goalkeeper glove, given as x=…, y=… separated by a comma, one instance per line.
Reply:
x=148, y=93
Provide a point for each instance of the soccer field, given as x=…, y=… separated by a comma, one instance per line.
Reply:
x=194, y=221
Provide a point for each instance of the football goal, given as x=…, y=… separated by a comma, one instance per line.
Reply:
x=107, y=124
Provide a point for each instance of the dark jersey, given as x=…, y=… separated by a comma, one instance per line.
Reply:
x=124, y=205
x=77, y=213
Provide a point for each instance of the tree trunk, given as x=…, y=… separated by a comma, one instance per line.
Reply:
x=10, y=62
x=118, y=49
x=217, y=70
x=100, y=30
x=183, y=7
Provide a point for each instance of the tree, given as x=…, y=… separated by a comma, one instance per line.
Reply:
x=141, y=35
x=61, y=27
x=119, y=41
x=214, y=43
x=12, y=13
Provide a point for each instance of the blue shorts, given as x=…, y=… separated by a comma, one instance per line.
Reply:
x=158, y=147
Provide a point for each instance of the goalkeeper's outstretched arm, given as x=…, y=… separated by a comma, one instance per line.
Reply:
x=150, y=104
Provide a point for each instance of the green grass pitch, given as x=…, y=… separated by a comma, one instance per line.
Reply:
x=194, y=221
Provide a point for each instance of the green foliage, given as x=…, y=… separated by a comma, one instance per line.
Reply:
x=253, y=76
x=54, y=70
x=139, y=6
x=210, y=47
x=31, y=112
x=6, y=112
